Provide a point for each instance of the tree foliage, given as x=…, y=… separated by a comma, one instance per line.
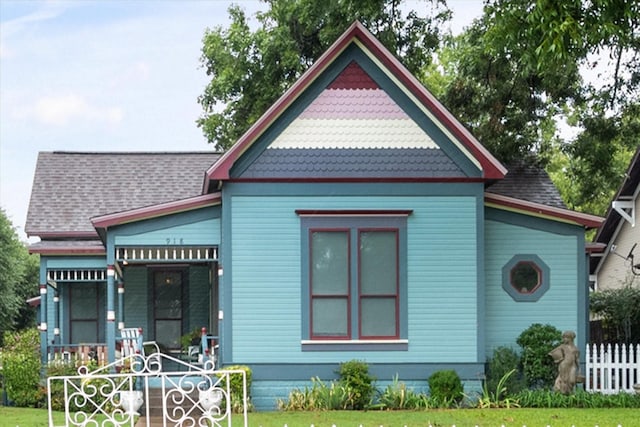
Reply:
x=500, y=95
x=516, y=70
x=18, y=279
x=597, y=159
x=250, y=69
x=620, y=310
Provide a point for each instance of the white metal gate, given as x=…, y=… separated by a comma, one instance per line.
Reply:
x=136, y=391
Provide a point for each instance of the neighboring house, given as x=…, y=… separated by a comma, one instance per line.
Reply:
x=619, y=235
x=357, y=219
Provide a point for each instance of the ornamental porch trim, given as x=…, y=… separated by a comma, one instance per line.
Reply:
x=77, y=275
x=127, y=254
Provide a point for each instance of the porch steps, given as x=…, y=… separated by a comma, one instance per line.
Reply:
x=153, y=422
x=154, y=400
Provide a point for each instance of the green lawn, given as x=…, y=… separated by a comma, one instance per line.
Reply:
x=14, y=417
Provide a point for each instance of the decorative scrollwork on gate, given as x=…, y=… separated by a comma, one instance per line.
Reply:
x=120, y=393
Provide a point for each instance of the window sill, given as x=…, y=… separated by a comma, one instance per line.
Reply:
x=355, y=345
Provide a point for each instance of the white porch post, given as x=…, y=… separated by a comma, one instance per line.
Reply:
x=111, y=314
x=120, y=305
x=56, y=319
x=44, y=339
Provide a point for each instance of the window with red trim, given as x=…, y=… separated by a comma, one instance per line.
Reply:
x=333, y=264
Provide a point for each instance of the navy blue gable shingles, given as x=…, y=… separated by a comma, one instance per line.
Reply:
x=353, y=163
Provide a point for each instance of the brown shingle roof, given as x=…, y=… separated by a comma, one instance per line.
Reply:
x=69, y=188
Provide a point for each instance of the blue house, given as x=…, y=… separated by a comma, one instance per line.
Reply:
x=357, y=219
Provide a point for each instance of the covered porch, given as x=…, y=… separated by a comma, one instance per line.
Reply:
x=153, y=269
x=169, y=293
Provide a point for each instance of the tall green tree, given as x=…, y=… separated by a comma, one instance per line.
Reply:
x=595, y=162
x=518, y=68
x=500, y=95
x=18, y=279
x=250, y=69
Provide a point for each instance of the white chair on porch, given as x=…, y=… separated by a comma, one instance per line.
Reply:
x=131, y=342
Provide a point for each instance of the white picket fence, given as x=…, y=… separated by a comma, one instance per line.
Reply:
x=612, y=369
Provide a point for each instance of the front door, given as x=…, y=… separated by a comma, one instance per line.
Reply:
x=167, y=303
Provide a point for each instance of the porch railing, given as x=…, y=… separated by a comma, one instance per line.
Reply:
x=612, y=369
x=79, y=354
x=86, y=353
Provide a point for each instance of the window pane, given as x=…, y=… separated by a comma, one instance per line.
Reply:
x=168, y=333
x=329, y=263
x=378, y=317
x=378, y=262
x=84, y=331
x=525, y=277
x=330, y=317
x=84, y=301
x=168, y=295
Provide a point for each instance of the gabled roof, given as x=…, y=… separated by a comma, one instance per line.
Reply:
x=629, y=188
x=70, y=188
x=359, y=36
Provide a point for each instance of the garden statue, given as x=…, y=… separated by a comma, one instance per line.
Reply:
x=567, y=357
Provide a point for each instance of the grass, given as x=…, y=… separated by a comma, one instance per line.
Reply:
x=609, y=417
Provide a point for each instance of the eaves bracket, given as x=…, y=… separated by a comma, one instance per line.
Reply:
x=626, y=209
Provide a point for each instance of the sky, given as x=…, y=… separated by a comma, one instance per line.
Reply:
x=107, y=75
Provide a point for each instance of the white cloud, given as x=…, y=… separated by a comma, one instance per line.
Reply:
x=62, y=110
x=13, y=27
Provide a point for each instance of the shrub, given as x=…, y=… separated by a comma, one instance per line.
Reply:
x=84, y=394
x=354, y=376
x=445, y=387
x=503, y=361
x=57, y=387
x=235, y=385
x=397, y=396
x=21, y=368
x=536, y=342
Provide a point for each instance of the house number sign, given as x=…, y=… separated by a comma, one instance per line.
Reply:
x=175, y=241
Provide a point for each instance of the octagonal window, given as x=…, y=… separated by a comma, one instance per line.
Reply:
x=525, y=278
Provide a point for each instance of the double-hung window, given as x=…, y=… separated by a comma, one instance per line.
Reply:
x=354, y=277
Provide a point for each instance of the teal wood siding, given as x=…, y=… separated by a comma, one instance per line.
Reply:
x=506, y=318
x=198, y=309
x=197, y=227
x=72, y=262
x=266, y=278
x=136, y=299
